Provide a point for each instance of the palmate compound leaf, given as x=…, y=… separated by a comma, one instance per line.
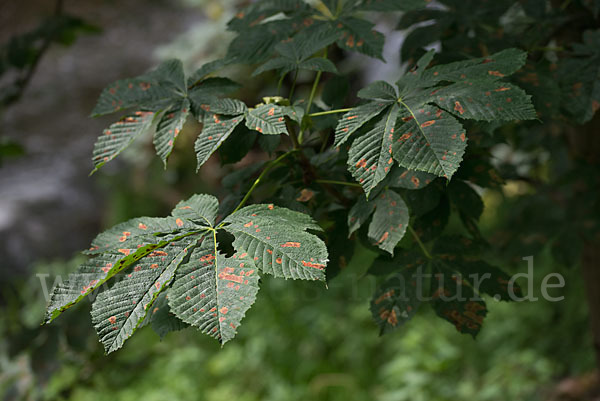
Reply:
x=213, y=292
x=426, y=134
x=457, y=281
x=119, y=311
x=277, y=240
x=153, y=249
x=222, y=116
x=389, y=223
x=161, y=94
x=259, y=34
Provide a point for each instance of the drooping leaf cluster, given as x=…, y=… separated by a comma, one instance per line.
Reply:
x=388, y=173
x=169, y=271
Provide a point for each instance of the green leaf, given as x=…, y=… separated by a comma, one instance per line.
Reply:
x=268, y=119
x=395, y=301
x=257, y=44
x=89, y=276
x=358, y=35
x=230, y=107
x=493, y=281
x=432, y=224
x=171, y=76
x=401, y=177
x=454, y=300
x=213, y=292
x=130, y=234
x=378, y=90
x=370, y=156
x=277, y=241
x=318, y=64
x=204, y=71
x=403, y=260
x=464, y=197
x=359, y=214
x=493, y=68
x=168, y=129
x=430, y=140
x=580, y=78
x=239, y=143
x=279, y=63
x=161, y=319
x=497, y=102
x=152, y=91
x=138, y=92
x=201, y=209
x=269, y=143
x=356, y=118
x=119, y=311
x=390, y=221
x=120, y=135
x=216, y=130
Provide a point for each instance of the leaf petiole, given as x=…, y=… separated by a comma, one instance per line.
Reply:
x=324, y=113
x=418, y=240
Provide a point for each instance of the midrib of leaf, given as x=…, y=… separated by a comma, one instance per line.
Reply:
x=116, y=344
x=111, y=273
x=400, y=101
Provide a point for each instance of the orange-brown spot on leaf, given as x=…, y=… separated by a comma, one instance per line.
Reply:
x=230, y=277
x=313, y=265
x=350, y=41
x=427, y=123
x=125, y=252
x=112, y=319
x=384, y=296
x=458, y=107
x=463, y=137
x=415, y=181
x=361, y=163
x=404, y=137
x=496, y=73
x=383, y=237
x=305, y=195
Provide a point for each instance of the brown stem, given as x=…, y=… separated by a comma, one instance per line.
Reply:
x=591, y=274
